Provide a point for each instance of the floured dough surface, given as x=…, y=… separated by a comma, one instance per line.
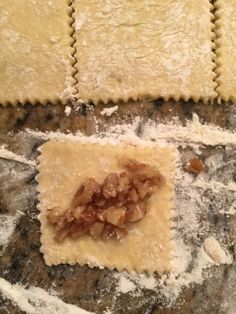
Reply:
x=35, y=41
x=226, y=49
x=65, y=165
x=144, y=49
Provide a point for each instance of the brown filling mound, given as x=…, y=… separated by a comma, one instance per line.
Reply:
x=105, y=210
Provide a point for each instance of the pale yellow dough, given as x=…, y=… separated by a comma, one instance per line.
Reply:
x=35, y=51
x=226, y=49
x=144, y=49
x=65, y=165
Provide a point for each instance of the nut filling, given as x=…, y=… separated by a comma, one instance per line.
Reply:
x=106, y=210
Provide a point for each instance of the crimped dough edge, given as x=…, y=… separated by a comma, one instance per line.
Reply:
x=221, y=96
x=53, y=100
x=92, y=264
x=154, y=96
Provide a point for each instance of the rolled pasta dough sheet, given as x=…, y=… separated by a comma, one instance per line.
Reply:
x=63, y=167
x=36, y=53
x=144, y=49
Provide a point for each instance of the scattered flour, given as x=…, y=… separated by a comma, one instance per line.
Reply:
x=36, y=300
x=54, y=39
x=67, y=94
x=7, y=226
x=6, y=154
x=181, y=255
x=147, y=282
x=9, y=176
x=228, y=212
x=229, y=294
x=129, y=282
x=194, y=133
x=79, y=23
x=171, y=286
x=109, y=111
x=125, y=285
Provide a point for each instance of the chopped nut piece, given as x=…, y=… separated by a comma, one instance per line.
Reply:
x=89, y=216
x=133, y=165
x=96, y=230
x=110, y=186
x=144, y=189
x=101, y=215
x=86, y=192
x=133, y=195
x=60, y=235
x=54, y=214
x=108, y=232
x=77, y=211
x=78, y=229
x=194, y=166
x=61, y=223
x=124, y=183
x=100, y=203
x=68, y=215
x=121, y=233
x=115, y=216
x=136, y=212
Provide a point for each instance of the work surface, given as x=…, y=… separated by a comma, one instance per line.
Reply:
x=95, y=289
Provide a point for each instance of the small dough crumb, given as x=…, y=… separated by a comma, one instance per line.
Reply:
x=67, y=111
x=79, y=23
x=215, y=251
x=109, y=111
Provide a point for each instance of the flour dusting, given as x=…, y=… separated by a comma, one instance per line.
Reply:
x=35, y=300
x=193, y=134
x=6, y=154
x=125, y=285
x=7, y=226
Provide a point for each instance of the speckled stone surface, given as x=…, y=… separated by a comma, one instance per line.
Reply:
x=92, y=289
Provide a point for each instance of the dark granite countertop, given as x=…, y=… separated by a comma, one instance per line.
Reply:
x=22, y=261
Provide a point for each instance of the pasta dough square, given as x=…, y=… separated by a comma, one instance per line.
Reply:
x=226, y=51
x=35, y=54
x=144, y=49
x=63, y=167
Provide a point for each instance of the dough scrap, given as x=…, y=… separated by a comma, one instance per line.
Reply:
x=144, y=49
x=226, y=51
x=63, y=167
x=35, y=53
